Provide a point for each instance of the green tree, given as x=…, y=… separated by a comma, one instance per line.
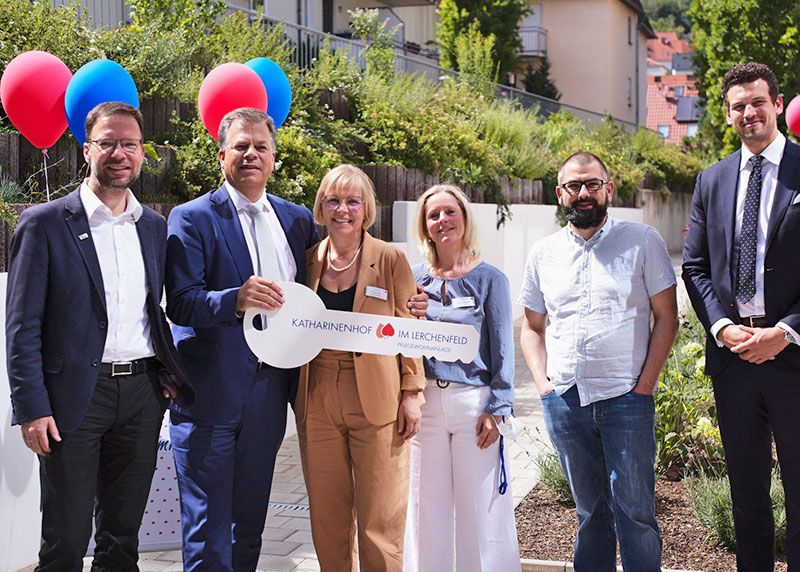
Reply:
x=668, y=15
x=729, y=32
x=497, y=17
x=538, y=80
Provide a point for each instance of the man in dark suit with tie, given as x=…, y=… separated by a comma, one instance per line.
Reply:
x=87, y=347
x=226, y=250
x=742, y=273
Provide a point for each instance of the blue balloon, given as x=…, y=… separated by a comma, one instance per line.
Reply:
x=97, y=82
x=279, y=91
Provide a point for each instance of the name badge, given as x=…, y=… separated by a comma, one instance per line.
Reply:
x=464, y=302
x=375, y=292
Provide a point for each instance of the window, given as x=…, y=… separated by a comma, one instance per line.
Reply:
x=663, y=131
x=678, y=90
x=691, y=130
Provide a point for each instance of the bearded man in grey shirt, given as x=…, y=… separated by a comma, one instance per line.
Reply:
x=589, y=292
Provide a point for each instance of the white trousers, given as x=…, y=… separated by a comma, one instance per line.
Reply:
x=457, y=520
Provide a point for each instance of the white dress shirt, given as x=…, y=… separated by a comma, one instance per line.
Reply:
x=286, y=262
x=769, y=173
x=119, y=253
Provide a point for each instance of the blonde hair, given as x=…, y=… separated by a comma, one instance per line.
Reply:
x=426, y=244
x=347, y=177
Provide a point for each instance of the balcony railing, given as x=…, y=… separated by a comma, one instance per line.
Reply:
x=534, y=41
x=308, y=43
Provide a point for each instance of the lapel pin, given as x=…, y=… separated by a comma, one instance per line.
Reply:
x=83, y=236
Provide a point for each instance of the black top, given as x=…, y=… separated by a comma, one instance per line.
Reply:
x=338, y=300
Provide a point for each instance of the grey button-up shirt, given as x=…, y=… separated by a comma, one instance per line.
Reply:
x=596, y=294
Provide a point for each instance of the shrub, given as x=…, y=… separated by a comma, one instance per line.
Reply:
x=64, y=32
x=687, y=434
x=551, y=474
x=710, y=498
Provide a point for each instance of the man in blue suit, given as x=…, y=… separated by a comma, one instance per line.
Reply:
x=225, y=443
x=742, y=273
x=87, y=344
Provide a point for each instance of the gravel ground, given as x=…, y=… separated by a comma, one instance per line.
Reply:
x=546, y=531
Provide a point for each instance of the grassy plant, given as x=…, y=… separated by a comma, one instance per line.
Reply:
x=551, y=474
x=710, y=498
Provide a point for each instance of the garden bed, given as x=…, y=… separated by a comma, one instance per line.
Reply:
x=546, y=531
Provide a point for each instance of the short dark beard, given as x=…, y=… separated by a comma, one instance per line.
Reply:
x=584, y=219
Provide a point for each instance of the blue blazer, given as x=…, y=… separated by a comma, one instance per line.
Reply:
x=708, y=264
x=207, y=263
x=56, y=321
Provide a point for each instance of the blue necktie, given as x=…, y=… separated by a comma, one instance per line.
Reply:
x=748, y=235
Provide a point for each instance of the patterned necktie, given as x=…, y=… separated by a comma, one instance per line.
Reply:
x=265, y=245
x=748, y=235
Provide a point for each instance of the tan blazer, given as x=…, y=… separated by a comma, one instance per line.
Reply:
x=379, y=378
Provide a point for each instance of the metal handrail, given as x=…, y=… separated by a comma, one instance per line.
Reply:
x=308, y=42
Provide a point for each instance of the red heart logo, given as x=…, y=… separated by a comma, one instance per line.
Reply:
x=388, y=330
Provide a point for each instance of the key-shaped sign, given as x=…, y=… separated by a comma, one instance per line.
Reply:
x=302, y=327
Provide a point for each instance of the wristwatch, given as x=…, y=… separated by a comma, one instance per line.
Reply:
x=787, y=335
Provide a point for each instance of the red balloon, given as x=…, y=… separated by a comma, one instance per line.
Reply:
x=793, y=115
x=228, y=87
x=32, y=91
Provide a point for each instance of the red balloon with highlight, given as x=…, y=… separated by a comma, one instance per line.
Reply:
x=228, y=87
x=32, y=91
x=793, y=115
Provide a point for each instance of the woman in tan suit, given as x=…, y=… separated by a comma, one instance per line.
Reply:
x=356, y=412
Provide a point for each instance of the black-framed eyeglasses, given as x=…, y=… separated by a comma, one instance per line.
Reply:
x=107, y=146
x=353, y=203
x=592, y=185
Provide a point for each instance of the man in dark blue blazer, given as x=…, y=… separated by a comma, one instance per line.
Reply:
x=87, y=344
x=742, y=272
x=225, y=443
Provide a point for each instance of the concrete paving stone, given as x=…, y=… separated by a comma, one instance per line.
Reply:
x=307, y=566
x=283, y=487
x=174, y=555
x=276, y=534
x=299, y=522
x=154, y=565
x=305, y=551
x=278, y=548
x=303, y=536
x=290, y=498
x=276, y=521
x=270, y=563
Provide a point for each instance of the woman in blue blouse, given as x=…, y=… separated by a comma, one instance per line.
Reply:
x=459, y=519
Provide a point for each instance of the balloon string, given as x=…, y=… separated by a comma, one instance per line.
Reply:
x=46, y=181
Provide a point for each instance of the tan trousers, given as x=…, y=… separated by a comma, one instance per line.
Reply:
x=356, y=473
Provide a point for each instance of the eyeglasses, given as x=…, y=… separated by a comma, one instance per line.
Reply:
x=592, y=185
x=353, y=203
x=107, y=146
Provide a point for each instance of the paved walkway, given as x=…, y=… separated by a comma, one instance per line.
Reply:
x=287, y=542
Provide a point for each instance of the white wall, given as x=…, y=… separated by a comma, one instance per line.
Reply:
x=19, y=479
x=506, y=248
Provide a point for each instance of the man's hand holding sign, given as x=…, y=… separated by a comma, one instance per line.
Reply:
x=302, y=327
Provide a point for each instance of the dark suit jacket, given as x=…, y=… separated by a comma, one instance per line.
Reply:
x=208, y=262
x=56, y=321
x=708, y=265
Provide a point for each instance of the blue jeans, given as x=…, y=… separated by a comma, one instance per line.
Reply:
x=607, y=450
